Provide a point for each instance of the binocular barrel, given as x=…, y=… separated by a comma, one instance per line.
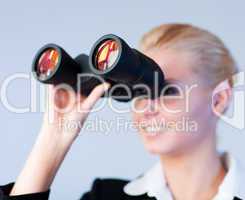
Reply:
x=111, y=59
x=53, y=65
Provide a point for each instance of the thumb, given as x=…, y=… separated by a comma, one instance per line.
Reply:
x=94, y=96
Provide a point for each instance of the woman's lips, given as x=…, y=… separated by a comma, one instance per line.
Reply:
x=155, y=127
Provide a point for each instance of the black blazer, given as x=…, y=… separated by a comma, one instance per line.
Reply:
x=102, y=189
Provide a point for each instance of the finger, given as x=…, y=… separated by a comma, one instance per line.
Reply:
x=61, y=98
x=96, y=93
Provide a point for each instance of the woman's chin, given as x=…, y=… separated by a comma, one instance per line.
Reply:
x=159, y=142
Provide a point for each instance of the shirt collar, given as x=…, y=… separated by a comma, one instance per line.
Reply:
x=153, y=182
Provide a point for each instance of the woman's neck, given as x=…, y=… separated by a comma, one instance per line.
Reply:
x=196, y=174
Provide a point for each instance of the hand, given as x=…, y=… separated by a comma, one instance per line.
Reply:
x=54, y=141
x=67, y=111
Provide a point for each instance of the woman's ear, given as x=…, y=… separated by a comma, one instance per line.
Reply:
x=221, y=97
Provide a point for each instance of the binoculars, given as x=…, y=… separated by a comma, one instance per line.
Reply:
x=111, y=59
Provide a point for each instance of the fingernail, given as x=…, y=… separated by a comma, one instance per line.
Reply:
x=106, y=86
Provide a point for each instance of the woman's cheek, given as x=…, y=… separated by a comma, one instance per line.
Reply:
x=136, y=118
x=172, y=104
x=173, y=110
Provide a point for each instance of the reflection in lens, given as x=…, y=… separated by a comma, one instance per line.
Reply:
x=106, y=55
x=47, y=63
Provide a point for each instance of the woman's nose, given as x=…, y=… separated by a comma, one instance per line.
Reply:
x=152, y=109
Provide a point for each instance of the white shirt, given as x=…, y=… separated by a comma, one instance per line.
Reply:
x=153, y=183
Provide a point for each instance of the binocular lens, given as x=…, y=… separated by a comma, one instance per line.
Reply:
x=106, y=54
x=47, y=63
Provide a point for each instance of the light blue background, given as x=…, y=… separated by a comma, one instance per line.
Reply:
x=75, y=25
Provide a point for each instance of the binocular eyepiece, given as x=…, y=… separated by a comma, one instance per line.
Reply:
x=111, y=59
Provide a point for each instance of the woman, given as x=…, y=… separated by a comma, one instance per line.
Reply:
x=196, y=63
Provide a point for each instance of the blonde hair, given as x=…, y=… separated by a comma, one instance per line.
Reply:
x=214, y=61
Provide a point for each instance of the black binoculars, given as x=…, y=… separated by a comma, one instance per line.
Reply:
x=111, y=59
